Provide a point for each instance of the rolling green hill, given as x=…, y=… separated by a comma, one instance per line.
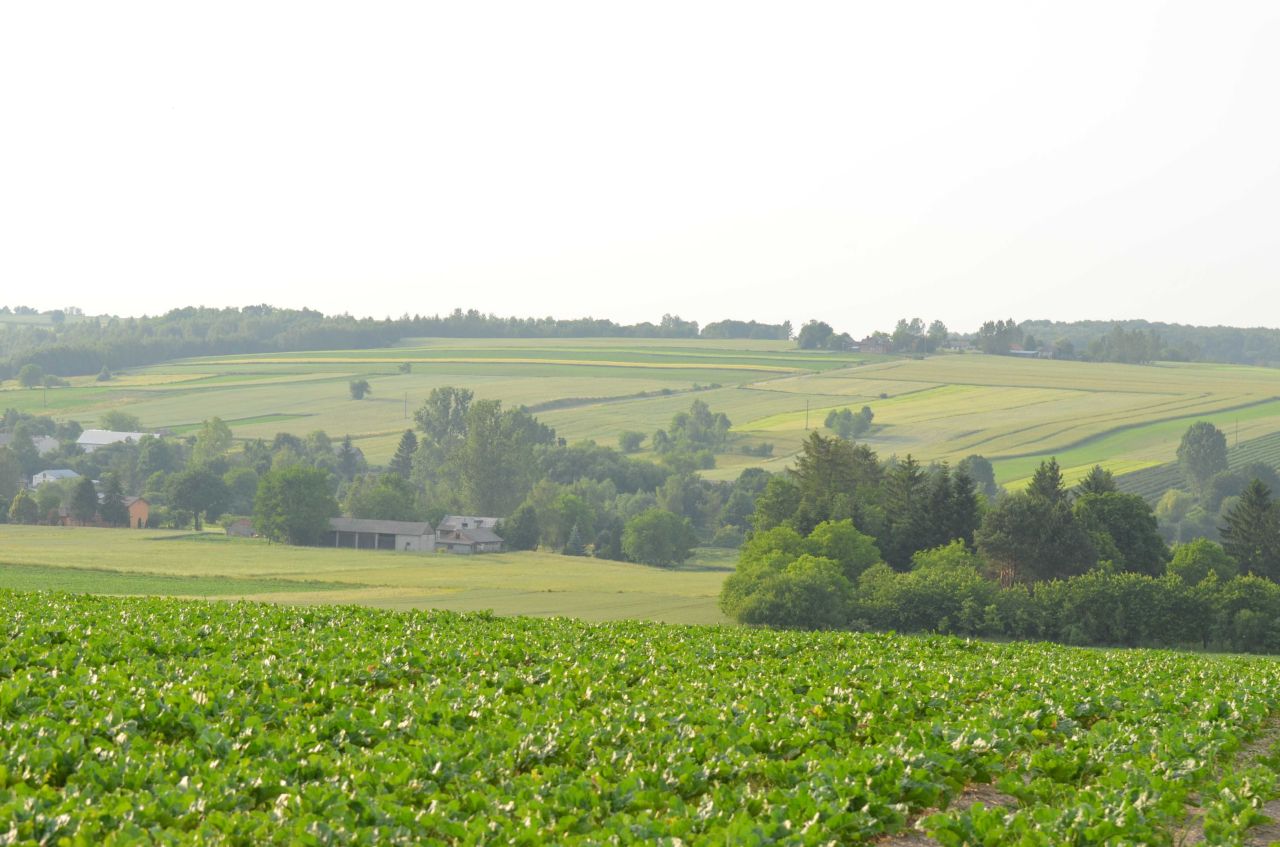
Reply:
x=1013, y=411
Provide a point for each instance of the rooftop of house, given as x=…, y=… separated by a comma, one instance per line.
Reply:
x=381, y=527
x=58, y=473
x=98, y=437
x=467, y=522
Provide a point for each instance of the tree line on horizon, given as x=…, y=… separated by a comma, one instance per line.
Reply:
x=89, y=345
x=72, y=344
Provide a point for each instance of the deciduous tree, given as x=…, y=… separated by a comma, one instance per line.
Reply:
x=23, y=509
x=657, y=537
x=199, y=491
x=294, y=505
x=1202, y=453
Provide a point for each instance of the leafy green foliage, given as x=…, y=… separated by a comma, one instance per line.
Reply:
x=200, y=491
x=23, y=508
x=359, y=388
x=1129, y=523
x=1202, y=452
x=84, y=500
x=1252, y=533
x=1028, y=538
x=847, y=424
x=388, y=497
x=294, y=504
x=112, y=507
x=119, y=420
x=142, y=720
x=658, y=537
x=1194, y=561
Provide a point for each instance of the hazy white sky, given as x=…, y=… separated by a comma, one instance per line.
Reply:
x=856, y=162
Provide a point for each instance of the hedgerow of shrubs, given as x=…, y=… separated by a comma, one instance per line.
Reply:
x=834, y=579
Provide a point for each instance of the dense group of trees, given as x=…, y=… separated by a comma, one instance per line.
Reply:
x=909, y=337
x=1209, y=490
x=469, y=456
x=1139, y=341
x=40, y=351
x=845, y=540
x=849, y=424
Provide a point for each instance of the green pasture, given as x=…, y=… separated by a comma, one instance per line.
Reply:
x=175, y=563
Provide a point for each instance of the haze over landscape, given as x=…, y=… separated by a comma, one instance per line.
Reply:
x=855, y=161
x=677, y=423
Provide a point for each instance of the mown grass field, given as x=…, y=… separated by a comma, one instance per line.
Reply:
x=176, y=563
x=1013, y=411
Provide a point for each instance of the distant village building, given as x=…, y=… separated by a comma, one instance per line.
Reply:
x=367, y=534
x=53, y=475
x=92, y=439
x=241, y=528
x=872, y=344
x=139, y=511
x=468, y=534
x=468, y=541
x=44, y=444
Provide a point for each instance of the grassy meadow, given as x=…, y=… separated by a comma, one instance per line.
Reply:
x=185, y=564
x=1013, y=411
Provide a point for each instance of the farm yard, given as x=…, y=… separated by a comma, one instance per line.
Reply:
x=130, y=719
x=177, y=563
x=1013, y=411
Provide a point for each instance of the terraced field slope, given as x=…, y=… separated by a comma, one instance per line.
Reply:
x=164, y=721
x=1014, y=411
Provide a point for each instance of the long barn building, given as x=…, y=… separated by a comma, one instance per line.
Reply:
x=365, y=534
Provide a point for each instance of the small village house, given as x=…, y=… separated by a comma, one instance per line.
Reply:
x=241, y=528
x=139, y=511
x=53, y=475
x=468, y=541
x=139, y=514
x=467, y=534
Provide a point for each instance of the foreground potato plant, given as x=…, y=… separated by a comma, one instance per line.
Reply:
x=147, y=720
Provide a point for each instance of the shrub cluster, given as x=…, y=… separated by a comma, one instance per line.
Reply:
x=834, y=578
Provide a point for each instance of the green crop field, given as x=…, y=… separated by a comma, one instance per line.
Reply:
x=135, y=720
x=1016, y=412
x=175, y=563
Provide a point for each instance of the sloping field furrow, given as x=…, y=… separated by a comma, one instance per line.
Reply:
x=1153, y=482
x=1148, y=445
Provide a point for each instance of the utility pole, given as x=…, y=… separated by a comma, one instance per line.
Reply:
x=806, y=414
